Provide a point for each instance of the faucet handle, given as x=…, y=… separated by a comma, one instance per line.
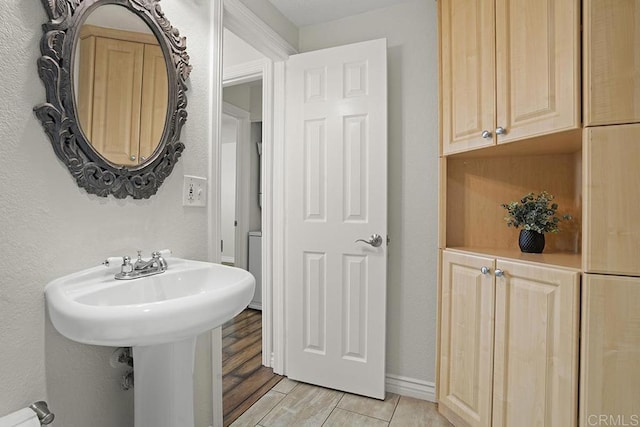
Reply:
x=164, y=253
x=127, y=267
x=159, y=257
x=113, y=261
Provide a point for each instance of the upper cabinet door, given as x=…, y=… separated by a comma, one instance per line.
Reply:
x=117, y=95
x=538, y=67
x=467, y=73
x=611, y=189
x=155, y=97
x=611, y=58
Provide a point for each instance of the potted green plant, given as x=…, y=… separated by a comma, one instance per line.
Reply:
x=536, y=214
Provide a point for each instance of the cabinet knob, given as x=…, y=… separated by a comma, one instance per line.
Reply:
x=486, y=134
x=132, y=157
x=499, y=273
x=484, y=270
x=501, y=131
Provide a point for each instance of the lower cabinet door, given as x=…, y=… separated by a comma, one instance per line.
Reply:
x=466, y=340
x=610, y=361
x=536, y=346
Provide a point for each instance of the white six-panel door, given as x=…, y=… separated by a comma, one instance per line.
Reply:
x=336, y=193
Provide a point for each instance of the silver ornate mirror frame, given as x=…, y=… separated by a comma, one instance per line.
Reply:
x=59, y=113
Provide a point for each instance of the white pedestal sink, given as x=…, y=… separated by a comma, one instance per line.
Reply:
x=160, y=317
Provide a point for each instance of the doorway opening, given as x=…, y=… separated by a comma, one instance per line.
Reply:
x=245, y=378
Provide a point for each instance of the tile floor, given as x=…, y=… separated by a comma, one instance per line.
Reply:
x=290, y=403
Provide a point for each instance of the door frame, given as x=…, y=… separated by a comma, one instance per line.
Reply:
x=261, y=69
x=242, y=182
x=236, y=17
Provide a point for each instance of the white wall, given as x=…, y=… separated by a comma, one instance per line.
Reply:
x=248, y=96
x=236, y=51
x=275, y=19
x=255, y=98
x=238, y=95
x=410, y=29
x=49, y=227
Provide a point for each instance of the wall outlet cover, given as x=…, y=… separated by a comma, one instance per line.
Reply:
x=194, y=192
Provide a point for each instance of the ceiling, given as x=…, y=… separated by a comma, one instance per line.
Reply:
x=310, y=12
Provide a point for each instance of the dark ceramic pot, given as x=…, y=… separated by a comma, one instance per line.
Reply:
x=531, y=241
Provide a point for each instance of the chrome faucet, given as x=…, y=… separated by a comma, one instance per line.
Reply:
x=142, y=268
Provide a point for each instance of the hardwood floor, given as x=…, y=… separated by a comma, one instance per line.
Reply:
x=244, y=379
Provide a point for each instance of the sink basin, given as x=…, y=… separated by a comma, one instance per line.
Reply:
x=190, y=298
x=158, y=316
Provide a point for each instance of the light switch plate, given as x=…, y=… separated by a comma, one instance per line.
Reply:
x=194, y=192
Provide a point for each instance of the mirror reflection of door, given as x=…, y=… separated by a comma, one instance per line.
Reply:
x=121, y=86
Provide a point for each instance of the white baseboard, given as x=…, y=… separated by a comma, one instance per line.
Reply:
x=255, y=305
x=411, y=387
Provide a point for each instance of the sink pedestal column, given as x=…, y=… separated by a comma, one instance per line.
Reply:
x=163, y=389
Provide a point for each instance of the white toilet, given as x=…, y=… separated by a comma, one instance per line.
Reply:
x=35, y=415
x=22, y=418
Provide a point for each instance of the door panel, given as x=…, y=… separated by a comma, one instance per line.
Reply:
x=611, y=65
x=466, y=341
x=536, y=346
x=155, y=97
x=610, y=195
x=117, y=99
x=538, y=67
x=336, y=193
x=610, y=349
x=467, y=58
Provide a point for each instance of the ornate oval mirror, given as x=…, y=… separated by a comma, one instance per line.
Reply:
x=114, y=73
x=120, y=85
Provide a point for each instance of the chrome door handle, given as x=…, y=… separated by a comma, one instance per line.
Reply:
x=375, y=240
x=485, y=270
x=501, y=131
x=499, y=273
x=486, y=134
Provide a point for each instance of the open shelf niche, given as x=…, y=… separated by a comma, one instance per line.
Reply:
x=476, y=183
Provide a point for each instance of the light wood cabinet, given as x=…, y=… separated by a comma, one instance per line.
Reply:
x=610, y=362
x=536, y=346
x=611, y=62
x=610, y=344
x=510, y=70
x=611, y=235
x=594, y=173
x=468, y=78
x=153, y=109
x=122, y=93
x=466, y=340
x=476, y=186
x=537, y=67
x=508, y=343
x=117, y=94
